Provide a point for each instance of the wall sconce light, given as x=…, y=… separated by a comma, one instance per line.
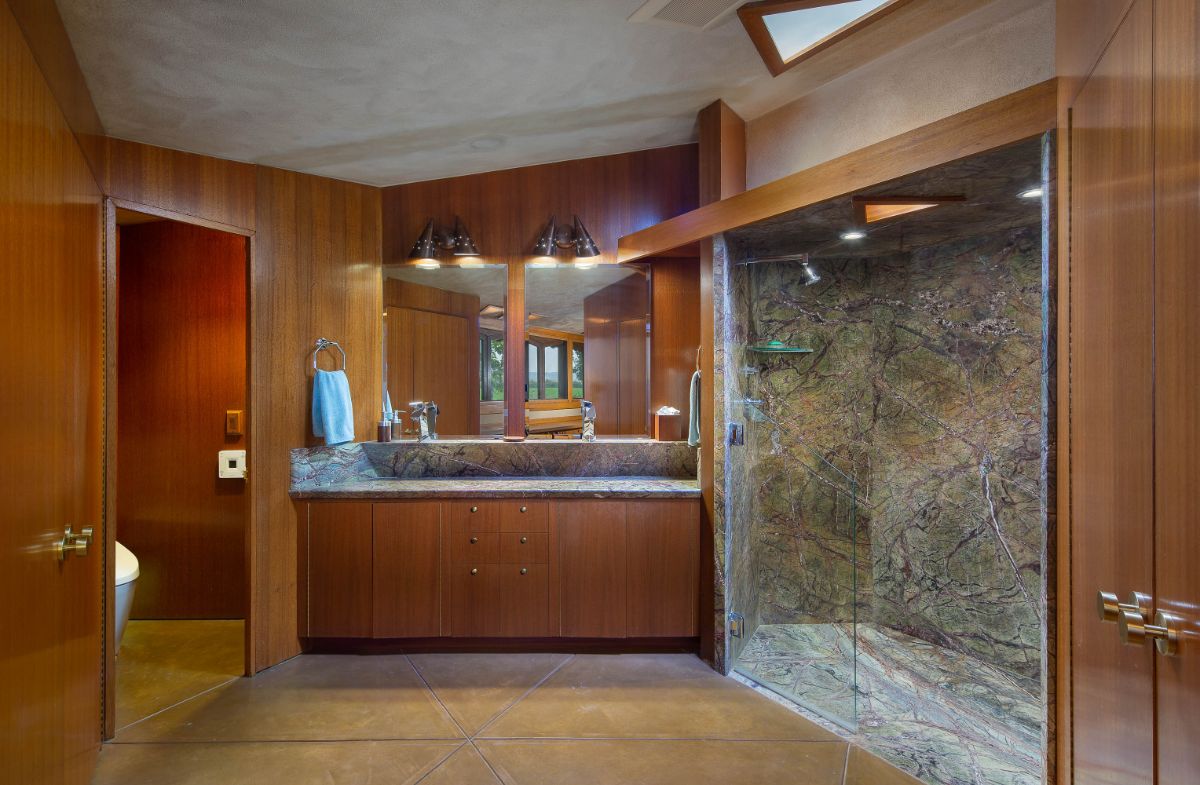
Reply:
x=556, y=236
x=435, y=239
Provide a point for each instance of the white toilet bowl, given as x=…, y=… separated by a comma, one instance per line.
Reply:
x=126, y=568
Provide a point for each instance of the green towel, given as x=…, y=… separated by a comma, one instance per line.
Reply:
x=694, y=412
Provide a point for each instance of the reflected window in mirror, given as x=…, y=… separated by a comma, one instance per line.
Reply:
x=444, y=342
x=587, y=337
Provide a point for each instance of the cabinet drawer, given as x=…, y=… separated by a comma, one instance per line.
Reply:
x=477, y=516
x=523, y=516
x=524, y=548
x=473, y=546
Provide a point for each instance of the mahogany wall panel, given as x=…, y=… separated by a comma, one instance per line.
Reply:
x=50, y=300
x=505, y=211
x=674, y=332
x=181, y=365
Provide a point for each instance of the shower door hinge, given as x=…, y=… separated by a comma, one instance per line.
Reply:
x=737, y=624
x=736, y=434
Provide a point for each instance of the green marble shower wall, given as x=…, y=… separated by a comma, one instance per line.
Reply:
x=923, y=403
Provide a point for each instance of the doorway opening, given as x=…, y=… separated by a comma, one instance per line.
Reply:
x=178, y=509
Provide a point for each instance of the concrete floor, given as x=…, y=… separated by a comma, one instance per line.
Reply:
x=462, y=719
x=162, y=663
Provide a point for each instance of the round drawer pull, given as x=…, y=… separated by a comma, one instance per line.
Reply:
x=523, y=570
x=524, y=540
x=474, y=509
x=474, y=540
x=523, y=508
x=474, y=570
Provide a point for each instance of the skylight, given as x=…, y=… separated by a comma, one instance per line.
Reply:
x=794, y=31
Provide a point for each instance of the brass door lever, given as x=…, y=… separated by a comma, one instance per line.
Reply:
x=1110, y=608
x=1135, y=631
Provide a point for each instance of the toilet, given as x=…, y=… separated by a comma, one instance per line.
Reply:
x=125, y=580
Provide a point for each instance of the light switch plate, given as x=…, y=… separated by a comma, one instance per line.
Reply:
x=233, y=422
x=231, y=464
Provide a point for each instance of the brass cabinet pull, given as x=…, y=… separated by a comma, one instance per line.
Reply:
x=1136, y=631
x=523, y=570
x=474, y=570
x=524, y=540
x=474, y=540
x=523, y=508
x=474, y=509
x=1110, y=608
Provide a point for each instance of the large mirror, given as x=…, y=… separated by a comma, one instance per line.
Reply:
x=587, y=337
x=443, y=339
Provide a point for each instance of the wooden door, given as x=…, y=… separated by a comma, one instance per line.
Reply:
x=50, y=389
x=1111, y=402
x=591, y=568
x=632, y=376
x=663, y=545
x=1177, y=379
x=523, y=601
x=407, y=570
x=474, y=600
x=339, y=583
x=440, y=365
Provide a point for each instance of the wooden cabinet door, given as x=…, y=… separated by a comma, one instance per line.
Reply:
x=1111, y=402
x=407, y=570
x=1177, y=378
x=662, y=544
x=591, y=567
x=523, y=601
x=339, y=570
x=474, y=600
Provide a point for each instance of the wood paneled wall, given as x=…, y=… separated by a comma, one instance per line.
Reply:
x=674, y=333
x=506, y=211
x=181, y=365
x=50, y=389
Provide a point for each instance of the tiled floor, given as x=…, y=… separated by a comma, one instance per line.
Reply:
x=467, y=719
x=161, y=663
x=939, y=714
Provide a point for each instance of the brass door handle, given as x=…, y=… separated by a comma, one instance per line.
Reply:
x=73, y=543
x=1110, y=608
x=1136, y=631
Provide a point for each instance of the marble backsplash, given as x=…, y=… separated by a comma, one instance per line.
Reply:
x=896, y=474
x=321, y=466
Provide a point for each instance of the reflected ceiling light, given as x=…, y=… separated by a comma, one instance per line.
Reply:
x=853, y=234
x=556, y=237
x=810, y=274
x=1032, y=193
x=869, y=209
x=428, y=264
x=543, y=261
x=435, y=239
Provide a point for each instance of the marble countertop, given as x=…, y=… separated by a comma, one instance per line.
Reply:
x=505, y=487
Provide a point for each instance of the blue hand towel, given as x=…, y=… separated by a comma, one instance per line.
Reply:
x=332, y=411
x=694, y=412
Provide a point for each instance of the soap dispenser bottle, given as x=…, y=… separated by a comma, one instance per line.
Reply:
x=385, y=427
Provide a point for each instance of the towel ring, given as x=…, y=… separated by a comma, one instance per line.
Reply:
x=323, y=343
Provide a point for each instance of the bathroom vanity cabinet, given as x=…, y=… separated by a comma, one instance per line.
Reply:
x=500, y=568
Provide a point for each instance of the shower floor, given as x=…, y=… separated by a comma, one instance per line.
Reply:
x=942, y=716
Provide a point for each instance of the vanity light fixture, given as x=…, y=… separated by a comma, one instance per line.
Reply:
x=1032, y=193
x=435, y=239
x=854, y=234
x=556, y=237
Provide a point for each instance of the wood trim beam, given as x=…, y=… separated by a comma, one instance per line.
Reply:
x=1012, y=118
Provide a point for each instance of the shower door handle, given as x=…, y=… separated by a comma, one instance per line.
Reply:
x=1111, y=609
x=1165, y=631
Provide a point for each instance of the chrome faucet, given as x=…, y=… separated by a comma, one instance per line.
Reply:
x=425, y=413
x=589, y=420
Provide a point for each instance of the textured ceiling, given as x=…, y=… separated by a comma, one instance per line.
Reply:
x=391, y=91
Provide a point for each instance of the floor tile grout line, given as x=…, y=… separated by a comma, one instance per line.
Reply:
x=445, y=709
x=499, y=715
x=488, y=763
x=175, y=705
x=441, y=762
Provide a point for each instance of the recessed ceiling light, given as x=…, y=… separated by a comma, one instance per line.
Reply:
x=1032, y=193
x=853, y=235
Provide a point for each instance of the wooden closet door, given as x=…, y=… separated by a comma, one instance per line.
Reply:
x=1111, y=402
x=441, y=358
x=1177, y=378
